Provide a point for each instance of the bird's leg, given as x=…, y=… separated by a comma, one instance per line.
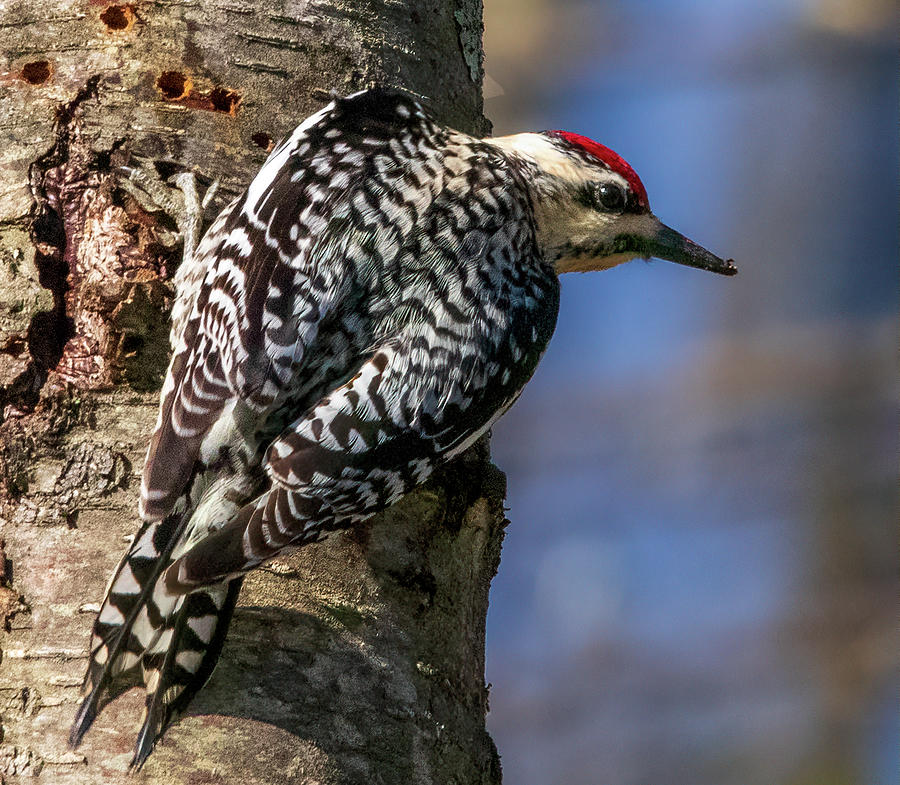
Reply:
x=182, y=203
x=191, y=221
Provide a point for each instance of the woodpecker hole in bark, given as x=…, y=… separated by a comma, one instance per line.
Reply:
x=37, y=72
x=262, y=140
x=132, y=344
x=118, y=17
x=178, y=87
x=224, y=100
x=173, y=85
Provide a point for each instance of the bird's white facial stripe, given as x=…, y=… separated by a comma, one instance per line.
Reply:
x=553, y=161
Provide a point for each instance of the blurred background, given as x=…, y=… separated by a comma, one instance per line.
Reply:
x=699, y=583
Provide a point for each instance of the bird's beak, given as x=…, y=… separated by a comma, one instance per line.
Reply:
x=664, y=242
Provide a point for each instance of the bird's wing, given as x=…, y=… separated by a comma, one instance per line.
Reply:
x=269, y=271
x=419, y=399
x=249, y=305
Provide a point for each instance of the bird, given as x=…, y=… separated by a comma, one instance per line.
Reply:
x=368, y=308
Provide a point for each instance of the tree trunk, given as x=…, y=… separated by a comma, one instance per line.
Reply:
x=357, y=660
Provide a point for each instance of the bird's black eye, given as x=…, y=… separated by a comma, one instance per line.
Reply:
x=610, y=197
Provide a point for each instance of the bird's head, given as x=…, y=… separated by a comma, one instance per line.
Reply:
x=592, y=209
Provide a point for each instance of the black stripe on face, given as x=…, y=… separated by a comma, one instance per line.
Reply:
x=622, y=243
x=630, y=243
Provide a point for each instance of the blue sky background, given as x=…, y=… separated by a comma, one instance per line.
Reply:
x=699, y=580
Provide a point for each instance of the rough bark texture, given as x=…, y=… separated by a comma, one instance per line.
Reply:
x=357, y=660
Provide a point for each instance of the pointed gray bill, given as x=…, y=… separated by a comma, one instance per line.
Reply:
x=664, y=242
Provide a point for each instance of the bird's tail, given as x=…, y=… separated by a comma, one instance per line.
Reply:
x=182, y=657
x=173, y=640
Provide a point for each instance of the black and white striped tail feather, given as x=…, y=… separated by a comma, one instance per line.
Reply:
x=176, y=639
x=182, y=658
x=125, y=616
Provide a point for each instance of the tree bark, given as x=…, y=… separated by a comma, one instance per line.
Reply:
x=357, y=660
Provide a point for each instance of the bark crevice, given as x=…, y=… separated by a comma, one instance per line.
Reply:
x=49, y=330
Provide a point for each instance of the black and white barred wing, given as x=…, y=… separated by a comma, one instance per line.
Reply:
x=276, y=264
x=248, y=308
x=247, y=311
x=420, y=399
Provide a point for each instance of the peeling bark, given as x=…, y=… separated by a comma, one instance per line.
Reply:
x=357, y=660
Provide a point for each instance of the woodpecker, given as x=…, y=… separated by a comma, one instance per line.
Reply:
x=364, y=312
